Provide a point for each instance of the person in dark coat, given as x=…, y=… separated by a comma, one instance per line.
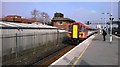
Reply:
x=104, y=34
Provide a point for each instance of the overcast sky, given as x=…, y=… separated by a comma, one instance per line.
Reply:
x=79, y=11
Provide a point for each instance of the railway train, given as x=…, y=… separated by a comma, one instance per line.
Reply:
x=78, y=31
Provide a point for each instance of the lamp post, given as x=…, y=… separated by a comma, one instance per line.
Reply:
x=106, y=26
x=111, y=19
x=106, y=22
x=104, y=19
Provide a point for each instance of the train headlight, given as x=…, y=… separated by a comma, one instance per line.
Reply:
x=69, y=34
x=81, y=35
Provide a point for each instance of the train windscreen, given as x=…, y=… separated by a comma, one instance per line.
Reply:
x=69, y=28
x=82, y=29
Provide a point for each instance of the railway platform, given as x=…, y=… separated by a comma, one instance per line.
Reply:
x=101, y=52
x=97, y=53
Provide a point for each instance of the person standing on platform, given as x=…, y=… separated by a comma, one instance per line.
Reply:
x=104, y=34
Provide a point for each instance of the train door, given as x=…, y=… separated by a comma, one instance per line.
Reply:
x=75, y=31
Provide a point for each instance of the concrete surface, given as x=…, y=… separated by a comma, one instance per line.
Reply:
x=70, y=57
x=101, y=52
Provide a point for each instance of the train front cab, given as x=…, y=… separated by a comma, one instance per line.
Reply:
x=79, y=33
x=76, y=33
x=73, y=34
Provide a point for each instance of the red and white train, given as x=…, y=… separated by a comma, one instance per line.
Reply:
x=78, y=32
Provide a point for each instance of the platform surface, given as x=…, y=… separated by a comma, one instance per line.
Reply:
x=101, y=52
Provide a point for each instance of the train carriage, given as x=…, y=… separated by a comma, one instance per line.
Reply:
x=77, y=32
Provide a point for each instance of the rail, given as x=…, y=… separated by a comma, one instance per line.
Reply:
x=71, y=57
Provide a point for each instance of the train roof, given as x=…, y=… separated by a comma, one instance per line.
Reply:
x=81, y=24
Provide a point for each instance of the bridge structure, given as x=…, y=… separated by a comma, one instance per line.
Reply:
x=117, y=24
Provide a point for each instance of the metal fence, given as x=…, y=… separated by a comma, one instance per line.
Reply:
x=26, y=48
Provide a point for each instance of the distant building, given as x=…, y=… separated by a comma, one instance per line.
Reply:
x=18, y=19
x=61, y=22
x=12, y=18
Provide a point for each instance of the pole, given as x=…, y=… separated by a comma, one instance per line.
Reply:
x=111, y=28
x=105, y=20
x=111, y=23
x=107, y=24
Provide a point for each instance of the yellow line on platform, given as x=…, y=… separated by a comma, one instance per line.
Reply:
x=79, y=57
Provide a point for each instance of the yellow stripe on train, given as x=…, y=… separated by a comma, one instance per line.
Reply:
x=75, y=31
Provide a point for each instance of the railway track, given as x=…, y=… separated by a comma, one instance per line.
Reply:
x=53, y=57
x=46, y=61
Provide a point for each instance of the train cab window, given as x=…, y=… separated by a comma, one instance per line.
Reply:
x=82, y=29
x=69, y=28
